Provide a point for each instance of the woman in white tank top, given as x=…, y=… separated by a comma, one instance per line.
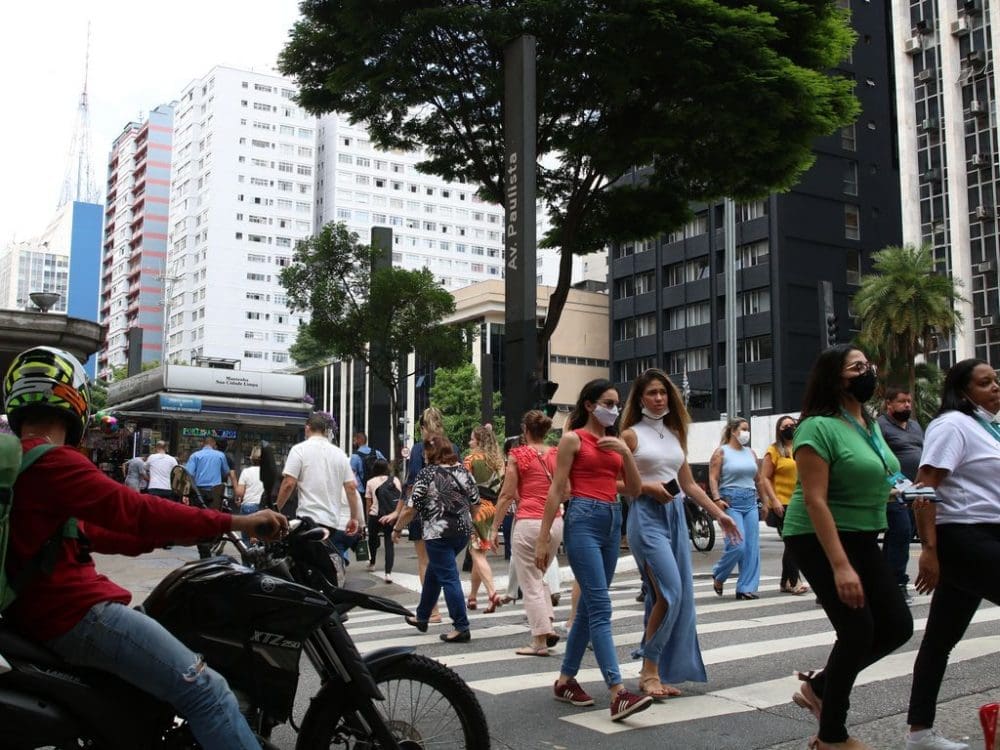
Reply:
x=655, y=429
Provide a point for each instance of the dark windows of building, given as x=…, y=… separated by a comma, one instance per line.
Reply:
x=630, y=369
x=754, y=348
x=645, y=282
x=673, y=275
x=853, y=259
x=761, y=396
x=755, y=301
x=625, y=329
x=625, y=288
x=849, y=137
x=753, y=254
x=852, y=222
x=850, y=178
x=750, y=211
x=699, y=358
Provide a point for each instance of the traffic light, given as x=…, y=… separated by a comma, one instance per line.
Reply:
x=831, y=329
x=540, y=391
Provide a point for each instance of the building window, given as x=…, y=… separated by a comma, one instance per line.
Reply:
x=625, y=288
x=751, y=210
x=673, y=318
x=850, y=178
x=673, y=275
x=625, y=329
x=761, y=396
x=849, y=138
x=853, y=259
x=755, y=349
x=644, y=282
x=756, y=301
x=754, y=254
x=645, y=325
x=697, y=225
x=852, y=222
x=624, y=249
x=699, y=313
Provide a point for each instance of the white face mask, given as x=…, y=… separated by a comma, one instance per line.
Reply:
x=743, y=438
x=986, y=414
x=605, y=415
x=647, y=412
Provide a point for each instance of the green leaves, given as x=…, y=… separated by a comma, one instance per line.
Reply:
x=457, y=392
x=903, y=306
x=711, y=97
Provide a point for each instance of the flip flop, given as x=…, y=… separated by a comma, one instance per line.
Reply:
x=664, y=691
x=532, y=651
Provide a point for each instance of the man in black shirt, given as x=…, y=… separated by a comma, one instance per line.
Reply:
x=906, y=439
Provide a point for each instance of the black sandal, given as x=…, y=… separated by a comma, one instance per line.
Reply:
x=420, y=625
x=746, y=596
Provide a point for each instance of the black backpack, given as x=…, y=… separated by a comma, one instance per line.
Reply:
x=387, y=495
x=368, y=466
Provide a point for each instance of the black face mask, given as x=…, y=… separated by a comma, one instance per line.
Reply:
x=902, y=416
x=862, y=387
x=787, y=433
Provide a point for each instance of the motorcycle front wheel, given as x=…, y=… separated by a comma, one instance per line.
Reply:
x=426, y=705
x=702, y=531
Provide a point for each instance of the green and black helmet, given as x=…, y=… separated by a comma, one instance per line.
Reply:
x=45, y=378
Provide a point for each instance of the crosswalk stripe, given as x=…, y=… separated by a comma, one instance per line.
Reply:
x=761, y=695
x=735, y=652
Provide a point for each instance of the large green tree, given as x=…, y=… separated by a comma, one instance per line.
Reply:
x=713, y=97
x=458, y=393
x=905, y=306
x=375, y=316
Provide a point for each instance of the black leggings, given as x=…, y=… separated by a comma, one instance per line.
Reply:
x=969, y=556
x=864, y=635
x=789, y=570
x=375, y=531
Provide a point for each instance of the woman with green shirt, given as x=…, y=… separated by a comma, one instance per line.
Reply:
x=846, y=471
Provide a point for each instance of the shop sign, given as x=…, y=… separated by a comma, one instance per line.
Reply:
x=202, y=432
x=179, y=403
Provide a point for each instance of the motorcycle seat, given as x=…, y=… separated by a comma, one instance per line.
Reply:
x=16, y=647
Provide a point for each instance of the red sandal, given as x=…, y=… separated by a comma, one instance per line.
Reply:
x=495, y=603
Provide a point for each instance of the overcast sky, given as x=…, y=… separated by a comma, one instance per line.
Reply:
x=140, y=56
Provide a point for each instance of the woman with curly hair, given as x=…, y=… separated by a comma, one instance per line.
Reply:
x=485, y=463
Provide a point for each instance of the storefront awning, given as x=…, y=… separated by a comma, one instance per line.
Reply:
x=212, y=409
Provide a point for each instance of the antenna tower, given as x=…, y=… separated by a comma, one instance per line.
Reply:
x=78, y=182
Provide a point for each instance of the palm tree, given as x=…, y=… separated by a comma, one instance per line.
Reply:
x=905, y=305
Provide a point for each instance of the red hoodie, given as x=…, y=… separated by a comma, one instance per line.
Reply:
x=64, y=484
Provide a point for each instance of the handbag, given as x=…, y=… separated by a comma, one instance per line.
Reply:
x=361, y=551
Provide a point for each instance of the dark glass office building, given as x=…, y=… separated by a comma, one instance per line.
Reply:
x=668, y=293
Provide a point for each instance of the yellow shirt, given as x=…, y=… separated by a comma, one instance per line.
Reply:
x=785, y=474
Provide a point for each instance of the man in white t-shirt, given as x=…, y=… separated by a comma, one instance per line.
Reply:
x=322, y=474
x=158, y=466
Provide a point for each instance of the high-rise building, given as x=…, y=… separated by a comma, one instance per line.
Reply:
x=668, y=293
x=135, y=240
x=64, y=259
x=241, y=197
x=948, y=114
x=441, y=225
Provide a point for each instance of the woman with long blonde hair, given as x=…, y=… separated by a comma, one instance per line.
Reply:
x=654, y=427
x=485, y=463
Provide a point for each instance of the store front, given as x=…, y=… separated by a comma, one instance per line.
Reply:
x=182, y=405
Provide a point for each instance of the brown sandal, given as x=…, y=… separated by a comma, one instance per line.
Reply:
x=660, y=693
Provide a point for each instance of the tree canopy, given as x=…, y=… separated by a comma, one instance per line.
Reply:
x=904, y=306
x=458, y=393
x=712, y=98
x=375, y=316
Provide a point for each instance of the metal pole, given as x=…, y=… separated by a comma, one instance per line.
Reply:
x=729, y=270
x=519, y=167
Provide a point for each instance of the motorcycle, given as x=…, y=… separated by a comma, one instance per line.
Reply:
x=251, y=621
x=700, y=526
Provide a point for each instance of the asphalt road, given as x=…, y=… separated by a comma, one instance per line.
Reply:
x=750, y=650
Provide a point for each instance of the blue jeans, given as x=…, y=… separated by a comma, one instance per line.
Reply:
x=592, y=531
x=246, y=509
x=442, y=573
x=136, y=648
x=896, y=543
x=743, y=510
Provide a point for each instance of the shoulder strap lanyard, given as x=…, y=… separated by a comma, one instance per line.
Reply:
x=890, y=477
x=991, y=427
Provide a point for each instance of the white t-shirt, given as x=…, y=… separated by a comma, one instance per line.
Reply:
x=250, y=478
x=159, y=465
x=970, y=493
x=321, y=468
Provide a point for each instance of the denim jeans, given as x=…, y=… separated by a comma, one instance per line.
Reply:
x=743, y=510
x=896, y=543
x=120, y=640
x=592, y=531
x=442, y=573
x=246, y=509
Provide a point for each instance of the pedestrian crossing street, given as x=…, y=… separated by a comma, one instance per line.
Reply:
x=750, y=649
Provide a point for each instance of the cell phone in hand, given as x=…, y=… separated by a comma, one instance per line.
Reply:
x=672, y=488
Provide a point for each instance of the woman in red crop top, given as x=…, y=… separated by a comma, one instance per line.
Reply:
x=592, y=462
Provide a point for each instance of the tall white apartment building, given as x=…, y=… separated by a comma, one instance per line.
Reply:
x=241, y=197
x=33, y=266
x=441, y=225
x=948, y=111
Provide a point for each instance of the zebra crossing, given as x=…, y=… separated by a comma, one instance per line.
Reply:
x=750, y=649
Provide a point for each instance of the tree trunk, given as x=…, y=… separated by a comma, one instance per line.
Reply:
x=555, y=306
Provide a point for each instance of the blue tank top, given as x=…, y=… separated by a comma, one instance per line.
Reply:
x=739, y=467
